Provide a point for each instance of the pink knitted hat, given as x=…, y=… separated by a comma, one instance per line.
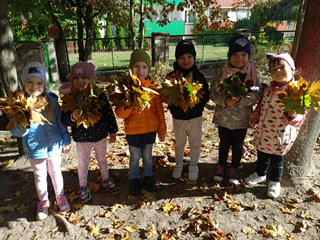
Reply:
x=83, y=69
x=285, y=56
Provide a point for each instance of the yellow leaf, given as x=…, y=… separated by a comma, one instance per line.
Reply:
x=78, y=206
x=307, y=215
x=131, y=229
x=75, y=217
x=292, y=205
x=72, y=197
x=94, y=230
x=168, y=207
x=7, y=164
x=94, y=187
x=9, y=208
x=36, y=237
x=54, y=230
x=17, y=193
x=288, y=210
x=23, y=209
x=1, y=218
x=198, y=200
x=151, y=232
x=248, y=230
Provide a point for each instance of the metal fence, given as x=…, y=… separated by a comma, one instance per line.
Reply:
x=114, y=53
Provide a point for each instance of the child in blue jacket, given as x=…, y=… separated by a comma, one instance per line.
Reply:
x=43, y=143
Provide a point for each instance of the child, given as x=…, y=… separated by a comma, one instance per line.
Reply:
x=232, y=114
x=276, y=129
x=43, y=143
x=188, y=124
x=141, y=128
x=94, y=136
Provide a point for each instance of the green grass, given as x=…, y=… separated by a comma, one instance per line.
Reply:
x=120, y=59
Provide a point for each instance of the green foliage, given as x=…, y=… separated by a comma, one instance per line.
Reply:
x=272, y=35
x=109, y=43
x=120, y=34
x=259, y=58
x=97, y=45
x=270, y=11
x=127, y=34
x=252, y=23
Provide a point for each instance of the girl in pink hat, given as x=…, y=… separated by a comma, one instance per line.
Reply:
x=94, y=136
x=275, y=129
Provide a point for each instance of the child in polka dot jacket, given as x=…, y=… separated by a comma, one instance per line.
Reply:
x=94, y=136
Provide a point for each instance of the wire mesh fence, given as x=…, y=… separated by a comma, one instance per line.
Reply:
x=114, y=53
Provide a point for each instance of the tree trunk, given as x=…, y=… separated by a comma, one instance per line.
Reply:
x=61, y=52
x=133, y=34
x=89, y=33
x=8, y=71
x=298, y=162
x=141, y=24
x=297, y=34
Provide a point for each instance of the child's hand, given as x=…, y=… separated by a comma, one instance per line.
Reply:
x=76, y=113
x=292, y=113
x=252, y=123
x=113, y=138
x=161, y=137
x=66, y=148
x=230, y=101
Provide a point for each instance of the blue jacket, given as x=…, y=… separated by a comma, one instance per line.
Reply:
x=40, y=142
x=106, y=124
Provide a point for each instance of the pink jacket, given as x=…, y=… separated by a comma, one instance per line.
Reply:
x=275, y=132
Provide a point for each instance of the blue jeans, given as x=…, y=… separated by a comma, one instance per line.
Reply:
x=276, y=162
x=135, y=155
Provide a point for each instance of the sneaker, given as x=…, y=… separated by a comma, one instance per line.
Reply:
x=109, y=184
x=234, y=176
x=84, y=193
x=220, y=173
x=274, y=189
x=42, y=211
x=254, y=179
x=150, y=184
x=135, y=186
x=193, y=173
x=177, y=171
x=63, y=204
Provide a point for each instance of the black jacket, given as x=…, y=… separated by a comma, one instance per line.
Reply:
x=106, y=124
x=176, y=111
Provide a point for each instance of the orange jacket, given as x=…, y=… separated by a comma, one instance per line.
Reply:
x=149, y=120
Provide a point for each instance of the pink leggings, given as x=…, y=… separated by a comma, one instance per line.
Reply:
x=40, y=168
x=84, y=151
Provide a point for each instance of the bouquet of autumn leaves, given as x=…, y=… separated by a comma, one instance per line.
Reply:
x=181, y=91
x=300, y=96
x=235, y=85
x=21, y=110
x=127, y=92
x=87, y=101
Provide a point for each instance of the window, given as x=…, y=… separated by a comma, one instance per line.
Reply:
x=190, y=17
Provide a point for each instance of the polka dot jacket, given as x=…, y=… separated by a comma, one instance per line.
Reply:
x=106, y=125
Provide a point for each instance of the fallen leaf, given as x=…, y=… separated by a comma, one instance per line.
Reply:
x=168, y=207
x=93, y=187
x=23, y=209
x=132, y=229
x=307, y=215
x=151, y=232
x=9, y=207
x=94, y=230
x=298, y=199
x=198, y=200
x=78, y=206
x=304, y=226
x=273, y=231
x=1, y=218
x=248, y=230
x=54, y=230
x=7, y=164
x=75, y=217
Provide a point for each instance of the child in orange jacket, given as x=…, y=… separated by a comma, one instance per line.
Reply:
x=141, y=127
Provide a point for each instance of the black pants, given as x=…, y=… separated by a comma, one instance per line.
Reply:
x=276, y=165
x=231, y=138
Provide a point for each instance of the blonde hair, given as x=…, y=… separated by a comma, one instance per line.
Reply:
x=49, y=111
